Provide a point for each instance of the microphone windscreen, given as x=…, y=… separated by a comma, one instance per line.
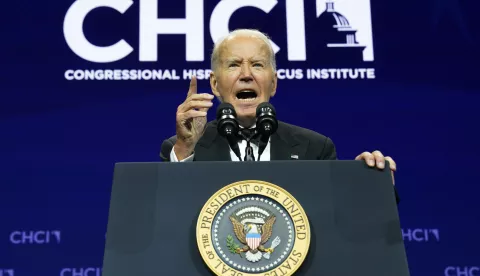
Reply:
x=225, y=109
x=266, y=107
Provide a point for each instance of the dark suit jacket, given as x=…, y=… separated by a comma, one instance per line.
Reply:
x=288, y=140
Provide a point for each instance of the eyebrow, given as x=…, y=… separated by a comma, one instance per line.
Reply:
x=237, y=59
x=258, y=60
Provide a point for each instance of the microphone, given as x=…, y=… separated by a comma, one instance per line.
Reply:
x=266, y=124
x=227, y=126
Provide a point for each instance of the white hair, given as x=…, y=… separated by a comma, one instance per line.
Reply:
x=242, y=32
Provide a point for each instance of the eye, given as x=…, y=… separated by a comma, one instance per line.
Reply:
x=258, y=65
x=232, y=65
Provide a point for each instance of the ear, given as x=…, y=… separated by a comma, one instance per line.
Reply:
x=214, y=84
x=274, y=85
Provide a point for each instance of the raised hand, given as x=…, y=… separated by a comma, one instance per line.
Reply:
x=191, y=120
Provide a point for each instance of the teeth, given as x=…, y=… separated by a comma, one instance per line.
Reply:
x=247, y=100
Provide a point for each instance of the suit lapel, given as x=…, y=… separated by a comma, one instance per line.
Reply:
x=219, y=150
x=279, y=149
x=284, y=146
x=212, y=147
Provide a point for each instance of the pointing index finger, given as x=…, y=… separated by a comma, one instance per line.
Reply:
x=193, y=86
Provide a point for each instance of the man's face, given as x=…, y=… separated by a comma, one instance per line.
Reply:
x=244, y=76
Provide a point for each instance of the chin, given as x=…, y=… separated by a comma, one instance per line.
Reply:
x=249, y=110
x=246, y=110
x=246, y=118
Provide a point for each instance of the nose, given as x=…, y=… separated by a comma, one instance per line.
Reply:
x=246, y=73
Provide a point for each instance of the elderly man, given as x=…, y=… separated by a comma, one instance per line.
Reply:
x=244, y=75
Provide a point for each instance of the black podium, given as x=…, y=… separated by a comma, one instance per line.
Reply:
x=155, y=208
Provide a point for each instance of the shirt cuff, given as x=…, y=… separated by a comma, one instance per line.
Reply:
x=173, y=157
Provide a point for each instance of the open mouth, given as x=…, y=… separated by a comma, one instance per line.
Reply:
x=246, y=95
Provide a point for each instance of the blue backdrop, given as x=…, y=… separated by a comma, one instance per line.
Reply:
x=409, y=89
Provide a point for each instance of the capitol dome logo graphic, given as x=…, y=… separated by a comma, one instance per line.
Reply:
x=342, y=31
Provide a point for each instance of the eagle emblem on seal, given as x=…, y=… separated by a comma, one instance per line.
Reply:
x=253, y=227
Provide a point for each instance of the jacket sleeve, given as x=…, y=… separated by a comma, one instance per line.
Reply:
x=328, y=152
x=166, y=149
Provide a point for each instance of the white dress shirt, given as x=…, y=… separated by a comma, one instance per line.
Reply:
x=242, y=146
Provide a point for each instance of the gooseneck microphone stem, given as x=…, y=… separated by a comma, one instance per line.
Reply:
x=234, y=146
x=262, y=145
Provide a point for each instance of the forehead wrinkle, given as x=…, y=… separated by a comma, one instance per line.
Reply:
x=226, y=56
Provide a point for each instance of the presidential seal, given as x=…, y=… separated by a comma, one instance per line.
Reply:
x=253, y=228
